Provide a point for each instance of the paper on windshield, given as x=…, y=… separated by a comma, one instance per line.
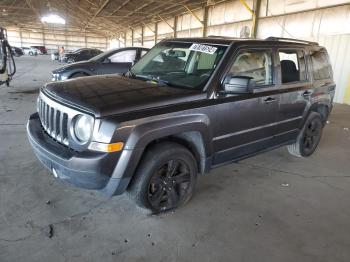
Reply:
x=203, y=48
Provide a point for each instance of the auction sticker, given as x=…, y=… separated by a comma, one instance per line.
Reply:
x=203, y=48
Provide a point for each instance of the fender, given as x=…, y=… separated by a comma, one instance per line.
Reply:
x=145, y=133
x=322, y=104
x=80, y=70
x=142, y=135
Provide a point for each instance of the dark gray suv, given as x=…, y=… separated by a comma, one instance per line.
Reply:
x=189, y=105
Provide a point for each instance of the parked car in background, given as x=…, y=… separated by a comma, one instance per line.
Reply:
x=41, y=49
x=30, y=51
x=16, y=51
x=55, y=55
x=81, y=54
x=113, y=61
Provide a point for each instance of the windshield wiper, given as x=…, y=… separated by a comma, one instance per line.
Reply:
x=159, y=81
x=153, y=79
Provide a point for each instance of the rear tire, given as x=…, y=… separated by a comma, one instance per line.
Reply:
x=165, y=178
x=308, y=138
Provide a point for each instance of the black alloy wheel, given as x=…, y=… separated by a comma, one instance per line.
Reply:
x=169, y=185
x=165, y=178
x=70, y=60
x=311, y=136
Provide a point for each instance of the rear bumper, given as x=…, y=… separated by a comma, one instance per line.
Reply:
x=88, y=170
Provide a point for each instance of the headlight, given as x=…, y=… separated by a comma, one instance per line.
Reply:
x=37, y=104
x=83, y=125
x=63, y=77
x=55, y=77
x=58, y=77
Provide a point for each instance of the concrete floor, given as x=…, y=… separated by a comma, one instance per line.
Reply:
x=273, y=207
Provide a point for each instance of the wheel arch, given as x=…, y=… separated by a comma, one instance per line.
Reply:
x=192, y=140
x=79, y=71
x=191, y=131
x=320, y=108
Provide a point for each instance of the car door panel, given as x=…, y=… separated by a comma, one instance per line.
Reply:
x=247, y=129
x=113, y=68
x=245, y=123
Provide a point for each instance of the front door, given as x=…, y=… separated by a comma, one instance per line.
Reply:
x=119, y=62
x=245, y=123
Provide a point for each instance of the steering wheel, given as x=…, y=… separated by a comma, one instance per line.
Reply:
x=207, y=74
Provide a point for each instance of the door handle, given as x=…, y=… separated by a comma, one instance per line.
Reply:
x=307, y=94
x=269, y=100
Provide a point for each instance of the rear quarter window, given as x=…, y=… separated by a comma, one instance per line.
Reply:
x=320, y=64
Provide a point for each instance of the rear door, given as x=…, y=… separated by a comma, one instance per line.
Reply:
x=244, y=124
x=119, y=62
x=296, y=90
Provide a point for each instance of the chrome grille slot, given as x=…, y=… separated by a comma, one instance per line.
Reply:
x=53, y=120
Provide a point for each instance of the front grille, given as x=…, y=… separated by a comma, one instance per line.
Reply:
x=53, y=120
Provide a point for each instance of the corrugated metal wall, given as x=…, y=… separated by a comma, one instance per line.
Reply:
x=53, y=37
x=338, y=47
x=326, y=21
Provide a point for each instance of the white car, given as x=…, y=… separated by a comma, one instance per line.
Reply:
x=30, y=51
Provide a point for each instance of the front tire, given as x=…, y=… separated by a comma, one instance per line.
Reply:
x=165, y=178
x=308, y=138
x=70, y=60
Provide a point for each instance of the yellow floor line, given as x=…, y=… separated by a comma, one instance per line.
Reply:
x=346, y=99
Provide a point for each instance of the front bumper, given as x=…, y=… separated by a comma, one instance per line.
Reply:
x=89, y=170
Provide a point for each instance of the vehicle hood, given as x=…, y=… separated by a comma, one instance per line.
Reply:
x=72, y=66
x=113, y=94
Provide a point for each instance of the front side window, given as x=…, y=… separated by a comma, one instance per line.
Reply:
x=256, y=64
x=320, y=64
x=293, y=67
x=84, y=52
x=127, y=56
x=180, y=64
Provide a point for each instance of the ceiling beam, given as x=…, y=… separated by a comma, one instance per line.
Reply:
x=98, y=12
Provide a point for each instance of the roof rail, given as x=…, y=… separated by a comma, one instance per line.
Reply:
x=272, y=38
x=230, y=37
x=221, y=36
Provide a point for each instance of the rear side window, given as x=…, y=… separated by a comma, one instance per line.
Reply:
x=320, y=64
x=256, y=64
x=293, y=67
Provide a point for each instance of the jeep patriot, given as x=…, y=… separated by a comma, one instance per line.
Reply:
x=189, y=105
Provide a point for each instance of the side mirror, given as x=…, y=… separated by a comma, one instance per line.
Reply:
x=106, y=61
x=238, y=85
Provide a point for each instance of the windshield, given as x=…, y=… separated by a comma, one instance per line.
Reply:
x=185, y=65
x=103, y=55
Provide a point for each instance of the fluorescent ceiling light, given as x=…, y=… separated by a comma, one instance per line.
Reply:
x=53, y=19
